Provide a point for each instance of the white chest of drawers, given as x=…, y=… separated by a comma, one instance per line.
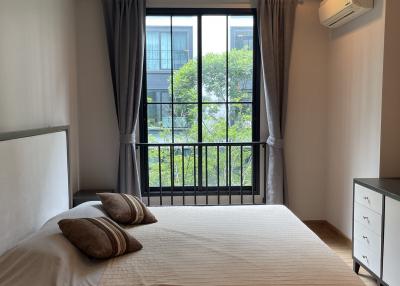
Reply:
x=376, y=228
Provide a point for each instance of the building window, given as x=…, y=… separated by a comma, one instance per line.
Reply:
x=242, y=38
x=158, y=47
x=200, y=86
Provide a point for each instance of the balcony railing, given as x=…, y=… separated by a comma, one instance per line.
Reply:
x=226, y=173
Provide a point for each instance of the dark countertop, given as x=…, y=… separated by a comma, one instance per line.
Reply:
x=387, y=186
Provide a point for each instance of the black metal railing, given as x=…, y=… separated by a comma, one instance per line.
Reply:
x=225, y=173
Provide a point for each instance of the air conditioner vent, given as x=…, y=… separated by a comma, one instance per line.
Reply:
x=335, y=13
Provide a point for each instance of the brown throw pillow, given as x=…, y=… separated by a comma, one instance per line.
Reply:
x=98, y=237
x=126, y=209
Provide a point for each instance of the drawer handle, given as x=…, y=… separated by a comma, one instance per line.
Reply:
x=365, y=258
x=366, y=218
x=367, y=199
x=366, y=238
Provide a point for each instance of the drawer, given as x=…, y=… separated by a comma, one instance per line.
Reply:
x=370, y=259
x=368, y=218
x=367, y=238
x=368, y=198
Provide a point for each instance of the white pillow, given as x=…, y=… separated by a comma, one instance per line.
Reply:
x=48, y=258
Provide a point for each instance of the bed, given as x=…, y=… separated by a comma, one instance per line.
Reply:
x=208, y=245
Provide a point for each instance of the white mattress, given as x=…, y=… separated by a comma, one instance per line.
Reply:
x=233, y=245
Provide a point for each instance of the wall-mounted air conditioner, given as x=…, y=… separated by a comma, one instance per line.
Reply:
x=335, y=13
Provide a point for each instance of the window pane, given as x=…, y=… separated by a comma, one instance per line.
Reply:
x=185, y=123
x=214, y=38
x=240, y=64
x=158, y=58
x=159, y=122
x=214, y=123
x=184, y=58
x=153, y=167
x=184, y=166
x=152, y=50
x=158, y=96
x=241, y=163
x=212, y=169
x=247, y=167
x=241, y=32
x=165, y=45
x=180, y=47
x=156, y=161
x=240, y=118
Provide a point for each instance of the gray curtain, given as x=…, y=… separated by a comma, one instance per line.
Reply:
x=125, y=28
x=275, y=25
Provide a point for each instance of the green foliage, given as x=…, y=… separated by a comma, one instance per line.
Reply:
x=185, y=83
x=240, y=63
x=240, y=72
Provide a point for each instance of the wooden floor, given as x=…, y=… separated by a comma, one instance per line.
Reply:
x=340, y=244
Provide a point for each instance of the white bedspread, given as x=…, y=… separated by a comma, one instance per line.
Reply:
x=235, y=245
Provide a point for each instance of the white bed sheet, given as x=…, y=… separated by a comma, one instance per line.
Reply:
x=228, y=245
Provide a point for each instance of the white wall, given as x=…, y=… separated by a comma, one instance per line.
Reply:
x=354, y=110
x=38, y=68
x=306, y=117
x=98, y=129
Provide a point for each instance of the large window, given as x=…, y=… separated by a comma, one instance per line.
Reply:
x=200, y=86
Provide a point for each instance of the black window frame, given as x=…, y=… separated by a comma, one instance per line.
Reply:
x=222, y=190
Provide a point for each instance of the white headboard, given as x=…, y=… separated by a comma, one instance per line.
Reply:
x=34, y=181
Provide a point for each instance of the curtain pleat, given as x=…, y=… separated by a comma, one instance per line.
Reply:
x=275, y=25
x=125, y=29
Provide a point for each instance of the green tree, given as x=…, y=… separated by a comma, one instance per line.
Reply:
x=214, y=123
